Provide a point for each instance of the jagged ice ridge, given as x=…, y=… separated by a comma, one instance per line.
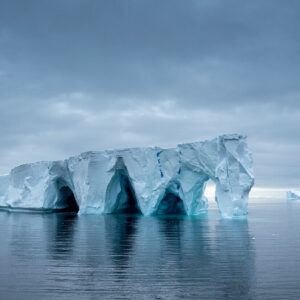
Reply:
x=148, y=180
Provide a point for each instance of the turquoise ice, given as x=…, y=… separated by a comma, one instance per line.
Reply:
x=148, y=180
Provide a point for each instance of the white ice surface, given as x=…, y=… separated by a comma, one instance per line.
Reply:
x=293, y=195
x=100, y=180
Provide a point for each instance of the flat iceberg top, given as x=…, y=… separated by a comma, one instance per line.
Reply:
x=225, y=137
x=148, y=180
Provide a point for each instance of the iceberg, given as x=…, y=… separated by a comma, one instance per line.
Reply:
x=293, y=195
x=149, y=181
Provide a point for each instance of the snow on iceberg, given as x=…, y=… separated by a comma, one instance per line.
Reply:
x=138, y=180
x=293, y=195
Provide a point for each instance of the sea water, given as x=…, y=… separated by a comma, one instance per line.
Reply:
x=65, y=256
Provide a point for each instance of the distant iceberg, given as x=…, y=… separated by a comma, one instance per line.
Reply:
x=293, y=195
x=137, y=180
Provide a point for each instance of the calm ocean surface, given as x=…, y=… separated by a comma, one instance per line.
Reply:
x=64, y=256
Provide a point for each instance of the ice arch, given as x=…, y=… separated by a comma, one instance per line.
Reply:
x=210, y=190
x=170, y=204
x=61, y=197
x=120, y=194
x=136, y=179
x=66, y=200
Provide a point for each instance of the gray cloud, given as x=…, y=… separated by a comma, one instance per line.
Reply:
x=81, y=75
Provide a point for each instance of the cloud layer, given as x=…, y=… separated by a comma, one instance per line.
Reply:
x=86, y=75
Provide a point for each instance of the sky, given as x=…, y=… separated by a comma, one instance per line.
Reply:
x=79, y=75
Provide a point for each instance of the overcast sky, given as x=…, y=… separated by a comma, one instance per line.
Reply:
x=78, y=75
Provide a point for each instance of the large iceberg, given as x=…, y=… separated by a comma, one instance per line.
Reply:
x=137, y=180
x=293, y=195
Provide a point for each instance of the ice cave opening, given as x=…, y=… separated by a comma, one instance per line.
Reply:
x=126, y=202
x=209, y=193
x=67, y=201
x=171, y=205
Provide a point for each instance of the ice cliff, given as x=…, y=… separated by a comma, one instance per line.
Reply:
x=137, y=180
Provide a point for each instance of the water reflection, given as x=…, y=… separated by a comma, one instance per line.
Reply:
x=191, y=255
x=61, y=229
x=205, y=254
x=234, y=249
x=171, y=231
x=129, y=257
x=120, y=233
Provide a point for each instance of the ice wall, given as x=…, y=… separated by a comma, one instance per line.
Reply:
x=140, y=180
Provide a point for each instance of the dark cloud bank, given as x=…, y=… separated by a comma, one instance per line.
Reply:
x=79, y=75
